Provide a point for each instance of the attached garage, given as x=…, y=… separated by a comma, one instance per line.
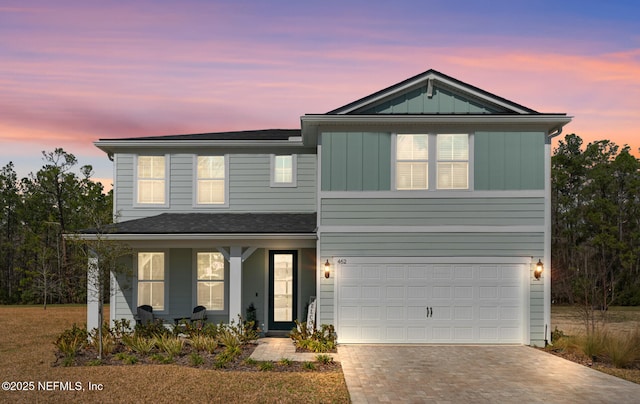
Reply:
x=432, y=300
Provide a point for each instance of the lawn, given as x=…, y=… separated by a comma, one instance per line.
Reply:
x=27, y=355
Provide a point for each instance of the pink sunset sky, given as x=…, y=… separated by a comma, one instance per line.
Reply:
x=72, y=72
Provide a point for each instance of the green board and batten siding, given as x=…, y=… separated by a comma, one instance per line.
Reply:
x=249, y=187
x=508, y=160
x=442, y=101
x=356, y=161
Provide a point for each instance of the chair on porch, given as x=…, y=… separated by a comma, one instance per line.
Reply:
x=199, y=314
x=144, y=315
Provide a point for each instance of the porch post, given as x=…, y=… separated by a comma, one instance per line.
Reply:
x=93, y=303
x=235, y=283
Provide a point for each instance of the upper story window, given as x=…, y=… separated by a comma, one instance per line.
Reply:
x=453, y=161
x=210, y=180
x=151, y=279
x=412, y=162
x=210, y=280
x=151, y=181
x=283, y=170
x=424, y=161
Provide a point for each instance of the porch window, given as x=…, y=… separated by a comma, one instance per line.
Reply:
x=151, y=279
x=210, y=282
x=453, y=161
x=151, y=172
x=412, y=162
x=283, y=170
x=210, y=182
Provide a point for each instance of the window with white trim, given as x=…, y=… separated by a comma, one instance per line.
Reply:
x=432, y=161
x=151, y=181
x=453, y=161
x=151, y=279
x=210, y=280
x=283, y=170
x=210, y=180
x=412, y=162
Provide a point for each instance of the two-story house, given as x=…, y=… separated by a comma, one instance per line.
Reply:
x=416, y=214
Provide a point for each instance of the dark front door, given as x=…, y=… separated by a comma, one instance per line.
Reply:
x=283, y=289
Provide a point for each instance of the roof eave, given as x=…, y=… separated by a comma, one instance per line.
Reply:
x=191, y=236
x=112, y=146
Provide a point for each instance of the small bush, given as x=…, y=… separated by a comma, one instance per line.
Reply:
x=265, y=366
x=139, y=344
x=623, y=350
x=150, y=330
x=72, y=340
x=285, y=362
x=201, y=342
x=160, y=358
x=109, y=342
x=309, y=366
x=250, y=362
x=325, y=359
x=126, y=358
x=593, y=344
x=171, y=345
x=322, y=340
x=196, y=359
x=228, y=338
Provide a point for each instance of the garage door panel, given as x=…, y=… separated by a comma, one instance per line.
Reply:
x=395, y=292
x=417, y=292
x=431, y=302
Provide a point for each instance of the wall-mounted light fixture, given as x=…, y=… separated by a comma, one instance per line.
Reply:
x=327, y=269
x=537, y=272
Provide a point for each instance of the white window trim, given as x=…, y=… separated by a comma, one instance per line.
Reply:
x=194, y=289
x=294, y=172
x=433, y=164
x=167, y=184
x=195, y=203
x=166, y=278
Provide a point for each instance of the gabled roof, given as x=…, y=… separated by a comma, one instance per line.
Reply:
x=430, y=82
x=216, y=223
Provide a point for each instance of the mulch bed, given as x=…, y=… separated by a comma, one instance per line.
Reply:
x=87, y=357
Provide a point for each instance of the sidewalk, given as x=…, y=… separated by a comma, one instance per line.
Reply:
x=274, y=349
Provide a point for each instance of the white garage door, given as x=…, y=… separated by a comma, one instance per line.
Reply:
x=387, y=301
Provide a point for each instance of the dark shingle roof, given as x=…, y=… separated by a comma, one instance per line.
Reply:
x=216, y=223
x=263, y=134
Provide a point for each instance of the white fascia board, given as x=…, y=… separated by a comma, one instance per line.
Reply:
x=111, y=145
x=195, y=236
x=435, y=194
x=540, y=119
x=424, y=79
x=435, y=260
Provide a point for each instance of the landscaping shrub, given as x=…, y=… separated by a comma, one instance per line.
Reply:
x=72, y=340
x=170, y=344
x=322, y=340
x=201, y=342
x=139, y=344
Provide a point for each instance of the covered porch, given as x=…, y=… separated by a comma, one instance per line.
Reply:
x=225, y=262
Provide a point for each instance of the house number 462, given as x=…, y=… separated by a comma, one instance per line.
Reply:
x=342, y=261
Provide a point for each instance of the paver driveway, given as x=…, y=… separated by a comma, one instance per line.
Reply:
x=474, y=374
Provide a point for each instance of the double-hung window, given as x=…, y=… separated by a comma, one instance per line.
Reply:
x=151, y=181
x=432, y=161
x=151, y=279
x=453, y=161
x=210, y=180
x=210, y=280
x=412, y=162
x=283, y=170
